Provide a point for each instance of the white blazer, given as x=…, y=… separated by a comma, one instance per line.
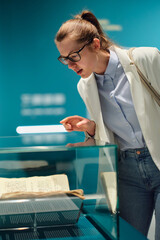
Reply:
x=147, y=110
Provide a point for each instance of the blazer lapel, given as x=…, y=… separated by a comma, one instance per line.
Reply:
x=91, y=98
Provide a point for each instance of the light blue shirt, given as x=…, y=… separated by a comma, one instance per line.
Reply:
x=117, y=106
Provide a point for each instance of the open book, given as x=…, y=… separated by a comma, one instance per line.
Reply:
x=38, y=202
x=36, y=187
x=109, y=183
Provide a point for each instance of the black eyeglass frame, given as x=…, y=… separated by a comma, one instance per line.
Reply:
x=77, y=52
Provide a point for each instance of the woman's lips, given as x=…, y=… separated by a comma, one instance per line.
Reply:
x=79, y=71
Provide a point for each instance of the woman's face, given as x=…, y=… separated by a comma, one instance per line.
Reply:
x=88, y=62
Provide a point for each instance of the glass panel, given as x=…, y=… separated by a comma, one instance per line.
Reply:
x=27, y=166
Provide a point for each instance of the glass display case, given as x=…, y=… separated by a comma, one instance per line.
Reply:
x=56, y=186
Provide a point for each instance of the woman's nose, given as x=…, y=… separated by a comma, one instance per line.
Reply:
x=71, y=64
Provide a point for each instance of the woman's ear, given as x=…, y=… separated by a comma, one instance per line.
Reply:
x=96, y=44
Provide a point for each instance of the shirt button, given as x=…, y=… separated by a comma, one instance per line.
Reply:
x=138, y=152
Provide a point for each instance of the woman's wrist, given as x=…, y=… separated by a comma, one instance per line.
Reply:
x=91, y=130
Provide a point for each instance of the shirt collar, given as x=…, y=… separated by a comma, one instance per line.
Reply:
x=111, y=67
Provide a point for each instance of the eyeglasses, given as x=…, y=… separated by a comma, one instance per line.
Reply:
x=73, y=57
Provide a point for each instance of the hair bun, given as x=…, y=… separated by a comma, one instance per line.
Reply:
x=85, y=15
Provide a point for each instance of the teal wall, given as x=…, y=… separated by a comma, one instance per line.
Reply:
x=35, y=89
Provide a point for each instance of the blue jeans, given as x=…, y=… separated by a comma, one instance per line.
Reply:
x=139, y=186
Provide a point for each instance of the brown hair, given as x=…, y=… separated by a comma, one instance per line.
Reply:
x=83, y=28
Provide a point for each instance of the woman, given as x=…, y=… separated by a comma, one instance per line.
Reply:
x=121, y=109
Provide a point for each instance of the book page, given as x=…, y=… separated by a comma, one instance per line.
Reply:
x=46, y=184
x=109, y=183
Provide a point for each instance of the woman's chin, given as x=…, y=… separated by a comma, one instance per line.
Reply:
x=85, y=75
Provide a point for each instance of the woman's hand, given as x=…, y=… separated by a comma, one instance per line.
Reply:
x=77, y=123
x=88, y=142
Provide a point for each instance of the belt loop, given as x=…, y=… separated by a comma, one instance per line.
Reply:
x=122, y=154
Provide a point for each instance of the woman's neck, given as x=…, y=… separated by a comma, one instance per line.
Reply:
x=102, y=63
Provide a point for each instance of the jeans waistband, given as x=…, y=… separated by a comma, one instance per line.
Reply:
x=136, y=151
